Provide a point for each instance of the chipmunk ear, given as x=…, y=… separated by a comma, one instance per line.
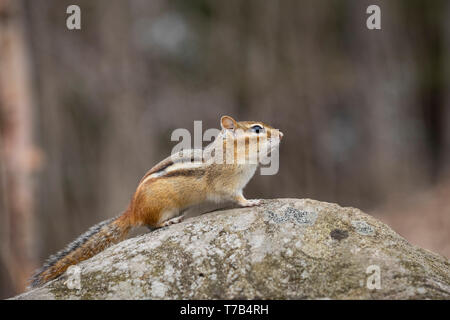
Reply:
x=228, y=122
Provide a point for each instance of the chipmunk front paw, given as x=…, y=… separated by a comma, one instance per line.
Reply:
x=251, y=203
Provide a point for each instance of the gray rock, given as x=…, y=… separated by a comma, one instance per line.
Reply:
x=282, y=249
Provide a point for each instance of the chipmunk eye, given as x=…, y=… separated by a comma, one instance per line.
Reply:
x=257, y=128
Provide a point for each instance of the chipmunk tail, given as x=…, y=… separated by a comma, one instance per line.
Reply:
x=93, y=241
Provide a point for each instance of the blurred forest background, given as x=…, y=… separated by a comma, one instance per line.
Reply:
x=84, y=114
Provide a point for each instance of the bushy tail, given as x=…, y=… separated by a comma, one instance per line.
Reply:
x=93, y=241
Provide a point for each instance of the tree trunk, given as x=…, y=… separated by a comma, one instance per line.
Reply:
x=16, y=151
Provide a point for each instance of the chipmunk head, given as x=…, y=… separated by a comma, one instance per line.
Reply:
x=249, y=138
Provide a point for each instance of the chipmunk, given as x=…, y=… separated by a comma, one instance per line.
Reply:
x=174, y=185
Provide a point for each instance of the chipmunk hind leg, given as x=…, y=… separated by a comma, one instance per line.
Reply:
x=168, y=218
x=170, y=221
